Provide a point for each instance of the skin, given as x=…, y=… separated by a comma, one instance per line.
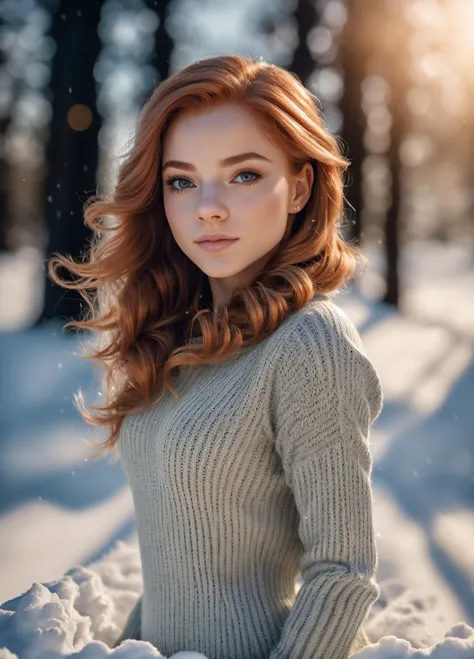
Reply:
x=209, y=196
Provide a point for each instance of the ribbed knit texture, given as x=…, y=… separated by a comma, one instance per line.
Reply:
x=260, y=473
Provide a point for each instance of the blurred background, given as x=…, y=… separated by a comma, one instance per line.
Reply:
x=394, y=81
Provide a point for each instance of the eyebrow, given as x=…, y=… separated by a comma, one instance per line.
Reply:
x=226, y=162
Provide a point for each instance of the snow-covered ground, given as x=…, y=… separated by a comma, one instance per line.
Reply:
x=69, y=560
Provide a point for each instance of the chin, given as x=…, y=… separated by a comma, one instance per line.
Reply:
x=221, y=273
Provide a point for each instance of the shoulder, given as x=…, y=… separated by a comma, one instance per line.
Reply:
x=320, y=347
x=318, y=328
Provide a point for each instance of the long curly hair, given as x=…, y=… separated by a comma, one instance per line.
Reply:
x=145, y=298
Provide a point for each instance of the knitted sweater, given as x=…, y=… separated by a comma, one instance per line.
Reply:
x=258, y=475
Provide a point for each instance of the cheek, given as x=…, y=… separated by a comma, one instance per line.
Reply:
x=175, y=214
x=169, y=205
x=271, y=207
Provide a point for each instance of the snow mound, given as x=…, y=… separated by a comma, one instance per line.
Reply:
x=83, y=613
x=458, y=643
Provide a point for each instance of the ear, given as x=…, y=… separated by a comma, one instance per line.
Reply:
x=301, y=189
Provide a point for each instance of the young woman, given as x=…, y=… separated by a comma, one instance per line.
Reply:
x=238, y=393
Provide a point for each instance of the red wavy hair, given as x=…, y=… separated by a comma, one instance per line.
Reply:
x=148, y=297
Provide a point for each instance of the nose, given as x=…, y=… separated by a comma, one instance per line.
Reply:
x=210, y=207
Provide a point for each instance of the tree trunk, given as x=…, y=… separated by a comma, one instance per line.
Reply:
x=4, y=197
x=353, y=55
x=306, y=16
x=72, y=150
x=163, y=46
x=396, y=63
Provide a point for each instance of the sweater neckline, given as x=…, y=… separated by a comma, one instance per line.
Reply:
x=316, y=297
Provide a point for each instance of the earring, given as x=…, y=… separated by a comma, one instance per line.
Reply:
x=297, y=208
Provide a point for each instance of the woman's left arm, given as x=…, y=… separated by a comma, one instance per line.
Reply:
x=326, y=393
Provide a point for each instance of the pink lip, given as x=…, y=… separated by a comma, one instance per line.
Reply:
x=216, y=245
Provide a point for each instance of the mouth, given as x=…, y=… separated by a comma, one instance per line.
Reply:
x=216, y=245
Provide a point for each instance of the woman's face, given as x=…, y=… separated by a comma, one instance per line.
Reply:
x=221, y=174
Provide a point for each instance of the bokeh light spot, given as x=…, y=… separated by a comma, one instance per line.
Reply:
x=79, y=116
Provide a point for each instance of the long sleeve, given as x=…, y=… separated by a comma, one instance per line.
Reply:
x=132, y=627
x=325, y=395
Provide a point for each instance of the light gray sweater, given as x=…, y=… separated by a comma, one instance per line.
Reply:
x=259, y=474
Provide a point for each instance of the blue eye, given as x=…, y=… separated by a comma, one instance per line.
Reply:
x=172, y=179
x=251, y=172
x=245, y=172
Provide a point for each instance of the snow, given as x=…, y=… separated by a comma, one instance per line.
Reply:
x=82, y=613
x=70, y=563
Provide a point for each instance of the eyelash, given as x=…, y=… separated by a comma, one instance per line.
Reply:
x=171, y=179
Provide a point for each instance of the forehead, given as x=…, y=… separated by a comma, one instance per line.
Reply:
x=224, y=130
